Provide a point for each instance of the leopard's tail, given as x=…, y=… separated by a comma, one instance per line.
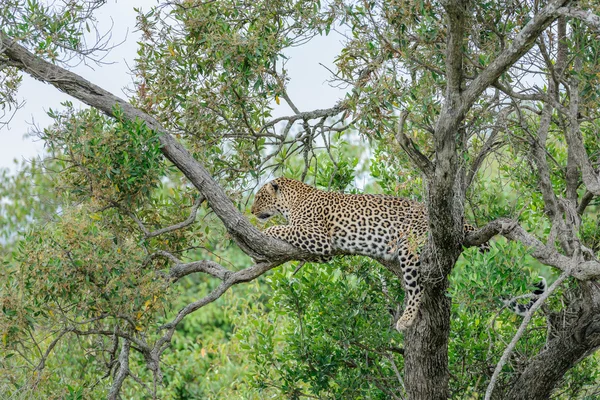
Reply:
x=522, y=309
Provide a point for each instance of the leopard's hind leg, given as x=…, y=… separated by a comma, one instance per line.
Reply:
x=409, y=262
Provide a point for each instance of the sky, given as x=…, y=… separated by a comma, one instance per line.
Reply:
x=308, y=86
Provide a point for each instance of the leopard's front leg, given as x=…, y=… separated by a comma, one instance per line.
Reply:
x=311, y=239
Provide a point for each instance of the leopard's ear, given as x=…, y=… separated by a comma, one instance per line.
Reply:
x=275, y=186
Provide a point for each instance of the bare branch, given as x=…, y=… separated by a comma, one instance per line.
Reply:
x=44, y=356
x=487, y=232
x=230, y=279
x=206, y=266
x=587, y=16
x=307, y=115
x=141, y=345
x=190, y=220
x=410, y=148
x=162, y=253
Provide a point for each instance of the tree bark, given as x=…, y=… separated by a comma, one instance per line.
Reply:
x=545, y=370
x=426, y=342
x=426, y=347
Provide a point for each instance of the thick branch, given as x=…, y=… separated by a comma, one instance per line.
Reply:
x=546, y=254
x=456, y=16
x=591, y=178
x=520, y=332
x=577, y=152
x=206, y=266
x=539, y=153
x=252, y=241
x=587, y=16
x=585, y=201
x=562, y=352
x=139, y=343
x=545, y=371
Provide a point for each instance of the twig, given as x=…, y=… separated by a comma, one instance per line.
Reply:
x=190, y=220
x=300, y=265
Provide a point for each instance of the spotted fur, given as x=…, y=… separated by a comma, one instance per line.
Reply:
x=327, y=223
x=522, y=309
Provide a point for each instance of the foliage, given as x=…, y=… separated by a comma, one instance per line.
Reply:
x=323, y=341
x=92, y=235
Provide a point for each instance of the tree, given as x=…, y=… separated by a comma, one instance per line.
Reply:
x=459, y=85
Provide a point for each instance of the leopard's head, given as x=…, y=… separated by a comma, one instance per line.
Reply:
x=268, y=201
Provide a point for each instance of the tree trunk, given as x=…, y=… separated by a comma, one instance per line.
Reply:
x=426, y=347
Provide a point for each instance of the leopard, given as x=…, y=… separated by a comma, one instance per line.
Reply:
x=328, y=223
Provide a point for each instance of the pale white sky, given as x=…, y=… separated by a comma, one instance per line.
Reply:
x=308, y=87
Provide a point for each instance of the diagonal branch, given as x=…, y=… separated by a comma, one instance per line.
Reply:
x=250, y=239
x=190, y=220
x=410, y=148
x=545, y=253
x=230, y=279
x=521, y=331
x=520, y=45
x=206, y=266
x=587, y=16
x=585, y=201
x=122, y=372
x=307, y=115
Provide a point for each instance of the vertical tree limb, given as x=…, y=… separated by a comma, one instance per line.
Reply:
x=122, y=371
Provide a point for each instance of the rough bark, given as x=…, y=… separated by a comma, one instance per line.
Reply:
x=426, y=344
x=546, y=369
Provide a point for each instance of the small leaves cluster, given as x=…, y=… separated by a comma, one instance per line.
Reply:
x=330, y=333
x=109, y=160
x=79, y=265
x=49, y=29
